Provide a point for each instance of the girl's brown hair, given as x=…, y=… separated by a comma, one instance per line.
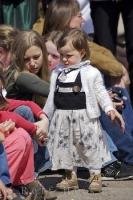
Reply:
x=79, y=41
x=53, y=36
x=59, y=14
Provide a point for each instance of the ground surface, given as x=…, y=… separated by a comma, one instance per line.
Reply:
x=112, y=190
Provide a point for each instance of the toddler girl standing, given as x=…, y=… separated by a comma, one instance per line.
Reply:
x=75, y=134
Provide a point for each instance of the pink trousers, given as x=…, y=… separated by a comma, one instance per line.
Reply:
x=19, y=149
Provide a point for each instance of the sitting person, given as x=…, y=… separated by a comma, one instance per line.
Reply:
x=19, y=152
x=31, y=85
x=31, y=112
x=18, y=141
x=5, y=182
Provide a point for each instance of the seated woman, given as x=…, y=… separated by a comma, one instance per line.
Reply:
x=5, y=182
x=19, y=152
x=34, y=114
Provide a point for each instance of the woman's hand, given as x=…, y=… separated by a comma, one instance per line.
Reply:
x=3, y=192
x=7, y=127
x=2, y=137
x=42, y=131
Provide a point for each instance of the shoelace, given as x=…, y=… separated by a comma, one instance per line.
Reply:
x=94, y=179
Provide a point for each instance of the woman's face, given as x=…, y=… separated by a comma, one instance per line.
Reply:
x=76, y=21
x=53, y=55
x=33, y=59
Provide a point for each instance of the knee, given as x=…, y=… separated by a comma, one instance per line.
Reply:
x=22, y=139
x=26, y=112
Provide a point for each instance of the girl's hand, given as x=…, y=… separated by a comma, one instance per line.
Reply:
x=111, y=114
x=117, y=117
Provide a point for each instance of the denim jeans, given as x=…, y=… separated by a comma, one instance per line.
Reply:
x=4, y=171
x=123, y=141
x=42, y=159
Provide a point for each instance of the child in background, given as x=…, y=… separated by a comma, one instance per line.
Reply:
x=51, y=41
x=75, y=134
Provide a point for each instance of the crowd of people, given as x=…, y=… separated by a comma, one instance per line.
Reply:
x=65, y=99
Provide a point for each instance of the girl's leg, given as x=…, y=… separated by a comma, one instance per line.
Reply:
x=19, y=149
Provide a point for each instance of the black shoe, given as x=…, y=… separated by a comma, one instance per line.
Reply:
x=125, y=172
x=109, y=172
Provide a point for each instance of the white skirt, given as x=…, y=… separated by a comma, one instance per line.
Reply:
x=76, y=140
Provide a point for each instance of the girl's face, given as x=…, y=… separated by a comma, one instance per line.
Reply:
x=76, y=21
x=33, y=59
x=53, y=55
x=69, y=55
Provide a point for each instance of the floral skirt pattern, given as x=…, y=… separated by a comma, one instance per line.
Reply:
x=76, y=140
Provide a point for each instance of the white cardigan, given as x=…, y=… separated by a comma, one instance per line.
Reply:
x=93, y=86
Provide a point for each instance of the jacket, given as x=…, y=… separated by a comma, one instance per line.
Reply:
x=92, y=83
x=104, y=60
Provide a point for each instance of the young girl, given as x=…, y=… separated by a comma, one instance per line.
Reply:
x=75, y=134
x=27, y=77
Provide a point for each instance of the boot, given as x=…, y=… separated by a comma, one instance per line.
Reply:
x=44, y=194
x=95, y=183
x=70, y=182
x=36, y=191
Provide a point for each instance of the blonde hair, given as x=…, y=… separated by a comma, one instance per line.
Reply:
x=24, y=41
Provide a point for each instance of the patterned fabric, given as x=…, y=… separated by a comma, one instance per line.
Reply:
x=75, y=140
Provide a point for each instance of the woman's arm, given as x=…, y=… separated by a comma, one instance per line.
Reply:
x=37, y=111
x=19, y=121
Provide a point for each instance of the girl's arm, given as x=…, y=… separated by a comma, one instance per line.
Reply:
x=33, y=84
